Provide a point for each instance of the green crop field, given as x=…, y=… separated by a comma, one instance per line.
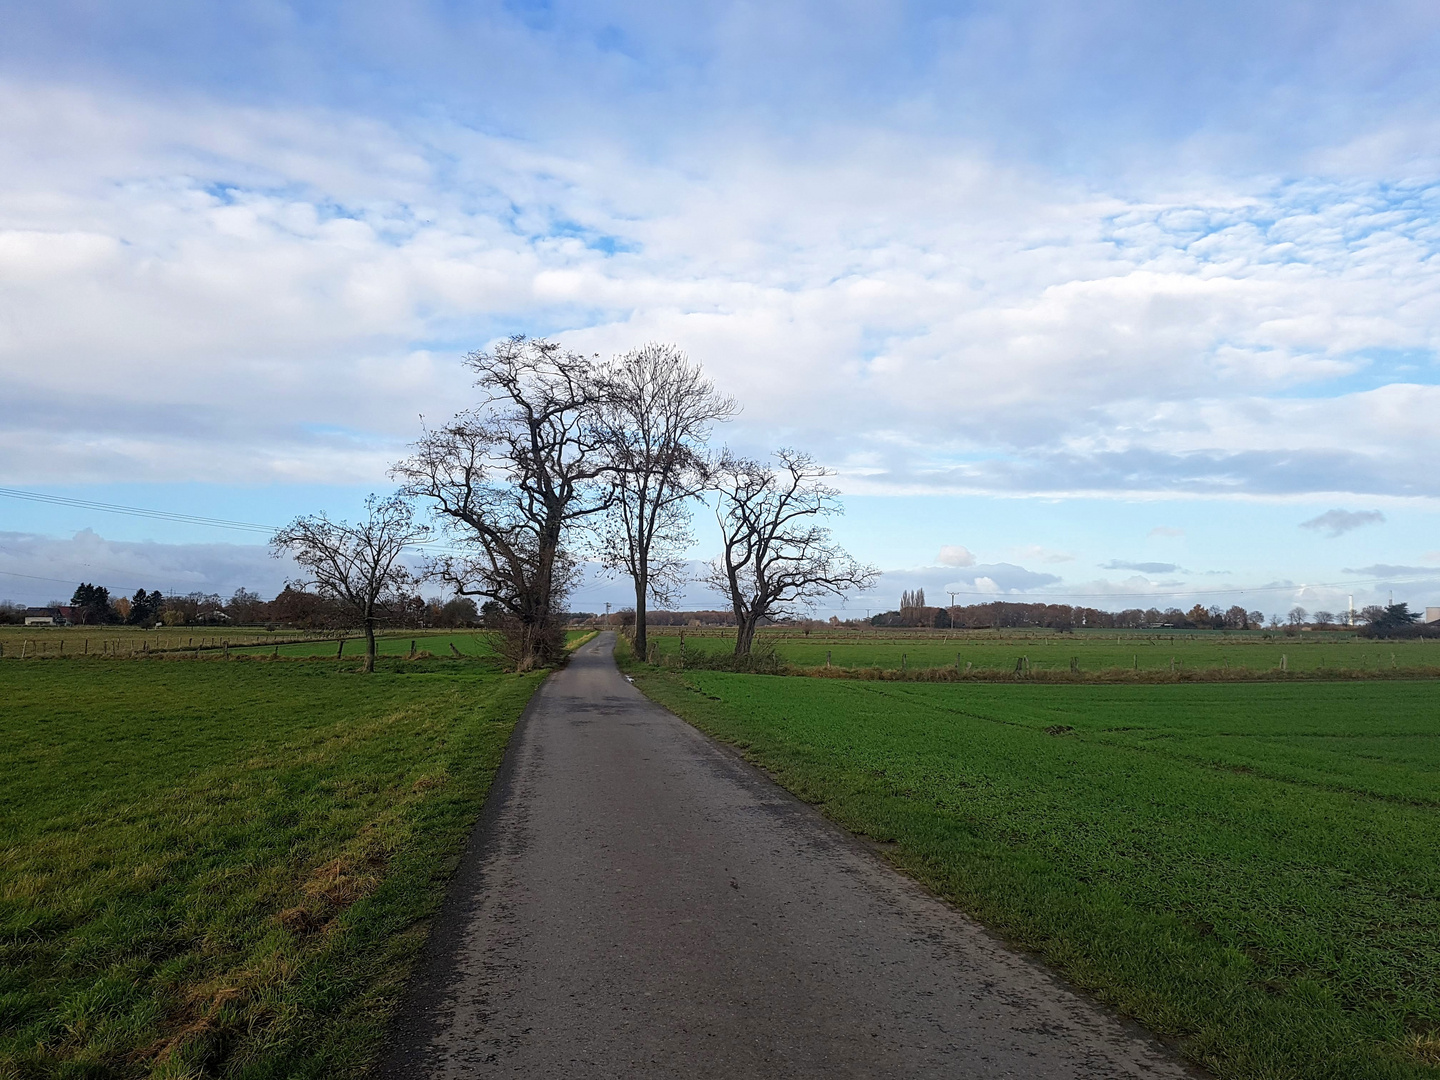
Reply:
x=1093, y=651
x=1251, y=869
x=224, y=869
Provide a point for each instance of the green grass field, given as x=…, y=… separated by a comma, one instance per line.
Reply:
x=1248, y=869
x=1094, y=651
x=68, y=641
x=469, y=643
x=106, y=641
x=223, y=869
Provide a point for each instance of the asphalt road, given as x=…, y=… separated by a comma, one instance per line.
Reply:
x=637, y=901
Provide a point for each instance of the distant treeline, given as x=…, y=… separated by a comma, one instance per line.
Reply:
x=1394, y=620
x=296, y=609
x=1005, y=614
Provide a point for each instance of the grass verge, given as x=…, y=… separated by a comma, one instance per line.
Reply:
x=1248, y=870
x=216, y=869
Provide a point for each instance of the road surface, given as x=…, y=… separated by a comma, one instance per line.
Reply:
x=639, y=902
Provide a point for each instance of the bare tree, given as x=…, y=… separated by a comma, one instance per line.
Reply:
x=358, y=565
x=656, y=416
x=777, y=558
x=510, y=479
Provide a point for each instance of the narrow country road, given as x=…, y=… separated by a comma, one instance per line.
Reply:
x=640, y=902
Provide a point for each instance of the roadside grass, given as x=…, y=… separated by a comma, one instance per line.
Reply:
x=225, y=869
x=996, y=652
x=575, y=638
x=1248, y=869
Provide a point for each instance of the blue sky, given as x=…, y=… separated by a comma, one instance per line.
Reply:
x=1036, y=279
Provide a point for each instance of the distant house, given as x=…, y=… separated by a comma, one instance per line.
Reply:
x=1432, y=615
x=47, y=616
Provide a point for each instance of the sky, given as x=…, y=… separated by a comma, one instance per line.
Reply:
x=1112, y=303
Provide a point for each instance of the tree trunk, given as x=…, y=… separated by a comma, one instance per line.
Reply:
x=744, y=637
x=369, y=644
x=538, y=645
x=641, y=639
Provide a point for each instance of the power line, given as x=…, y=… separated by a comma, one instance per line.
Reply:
x=109, y=577
x=136, y=511
x=37, y=577
x=160, y=515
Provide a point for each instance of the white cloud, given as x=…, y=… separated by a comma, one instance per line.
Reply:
x=955, y=555
x=1166, y=532
x=273, y=293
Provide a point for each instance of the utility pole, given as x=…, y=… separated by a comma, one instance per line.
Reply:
x=607, y=614
x=953, y=593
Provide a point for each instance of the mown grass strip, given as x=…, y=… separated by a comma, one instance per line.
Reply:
x=1248, y=870
x=220, y=869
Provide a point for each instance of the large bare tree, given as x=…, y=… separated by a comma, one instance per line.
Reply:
x=777, y=558
x=358, y=565
x=656, y=416
x=510, y=478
